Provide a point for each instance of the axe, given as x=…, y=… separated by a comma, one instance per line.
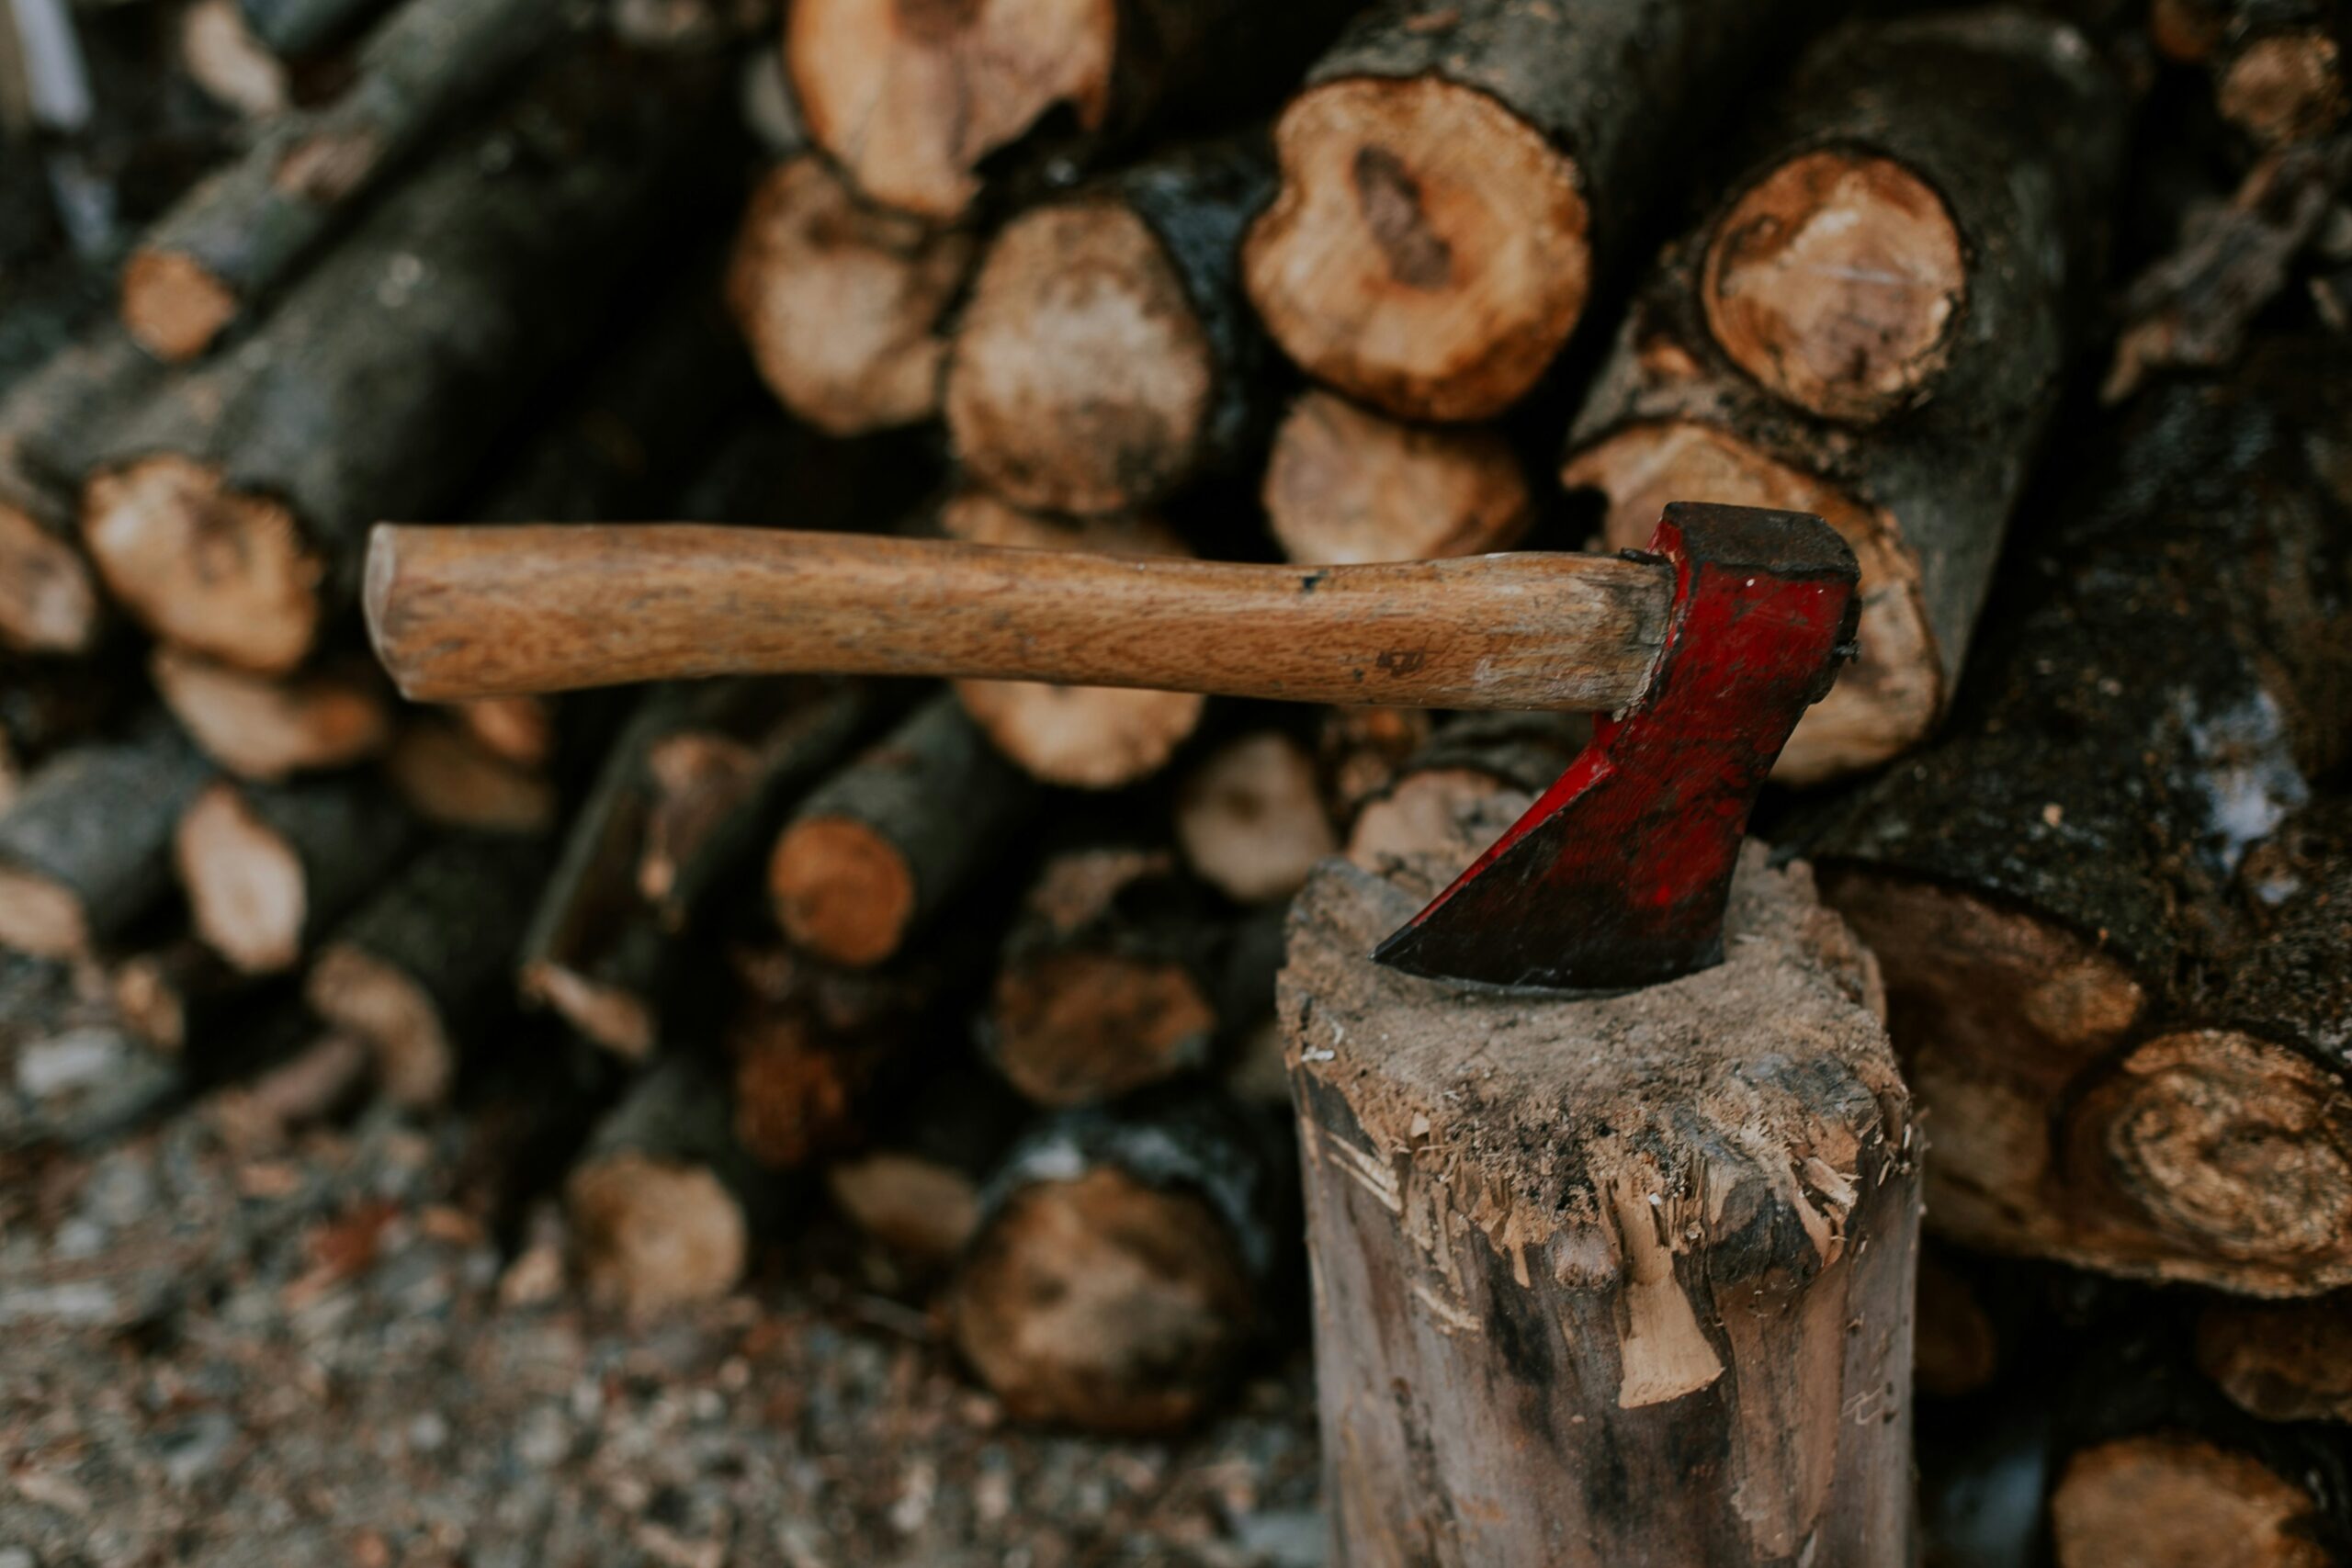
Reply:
x=1702, y=650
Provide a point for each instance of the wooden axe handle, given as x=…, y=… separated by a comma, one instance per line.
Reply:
x=478, y=612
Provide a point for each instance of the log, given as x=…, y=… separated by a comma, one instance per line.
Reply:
x=251, y=225
x=265, y=730
x=294, y=29
x=1080, y=737
x=1124, y=1263
x=48, y=706
x=1465, y=766
x=1606, y=1279
x=521, y=731
x=2280, y=1360
x=2169, y=679
x=424, y=967
x=874, y=853
x=1345, y=484
x=919, y=106
x=268, y=869
x=1971, y=153
x=449, y=777
x=2146, y=1500
x=914, y=1188
x=841, y=303
x=664, y=1208
x=1120, y=973
x=181, y=992
x=1360, y=751
x=2281, y=69
x=229, y=514
x=1106, y=358
x=1250, y=819
x=1454, y=180
x=86, y=851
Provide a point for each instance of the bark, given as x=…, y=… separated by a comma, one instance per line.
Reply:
x=1250, y=819
x=914, y=1188
x=381, y=379
x=2174, y=669
x=251, y=224
x=424, y=968
x=1984, y=148
x=292, y=28
x=86, y=851
x=1344, y=484
x=1124, y=1263
x=664, y=1207
x=268, y=869
x=1606, y=1279
x=265, y=730
x=1106, y=359
x=1454, y=180
x=49, y=706
x=842, y=304
x=921, y=106
x=874, y=853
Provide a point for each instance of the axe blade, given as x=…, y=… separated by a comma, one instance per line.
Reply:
x=1618, y=875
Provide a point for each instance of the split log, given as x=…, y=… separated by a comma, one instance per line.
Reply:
x=265, y=730
x=649, y=847
x=1452, y=180
x=428, y=962
x=249, y=226
x=1971, y=155
x=2280, y=1360
x=2148, y=1502
x=1250, y=818
x=86, y=851
x=920, y=104
x=876, y=850
x=1124, y=1263
x=915, y=1187
x=449, y=777
x=1083, y=737
x=1122, y=972
x=1464, y=767
x=269, y=868
x=664, y=1207
x=842, y=303
x=1345, y=484
x=230, y=515
x=2167, y=682
x=1606, y=1279
x=1106, y=358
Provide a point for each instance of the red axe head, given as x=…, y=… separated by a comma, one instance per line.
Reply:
x=1618, y=875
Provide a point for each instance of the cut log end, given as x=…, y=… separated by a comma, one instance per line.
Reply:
x=1428, y=251
x=912, y=96
x=1080, y=1027
x=2284, y=87
x=1884, y=701
x=2158, y=1502
x=922, y=1208
x=1105, y=1302
x=651, y=1234
x=617, y=1019
x=449, y=777
x=840, y=890
x=1081, y=377
x=841, y=303
x=365, y=997
x=264, y=730
x=1251, y=818
x=47, y=603
x=245, y=886
x=172, y=304
x=2281, y=1361
x=1836, y=282
x=521, y=730
x=203, y=566
x=40, y=916
x=1345, y=485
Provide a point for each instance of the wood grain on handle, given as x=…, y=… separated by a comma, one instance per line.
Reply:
x=476, y=612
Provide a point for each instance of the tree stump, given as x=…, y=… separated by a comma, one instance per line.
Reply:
x=1606, y=1278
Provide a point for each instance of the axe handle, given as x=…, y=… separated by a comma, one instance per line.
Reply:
x=477, y=612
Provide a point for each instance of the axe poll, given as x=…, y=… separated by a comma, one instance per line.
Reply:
x=1703, y=652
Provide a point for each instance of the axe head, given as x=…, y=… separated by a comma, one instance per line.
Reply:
x=1618, y=875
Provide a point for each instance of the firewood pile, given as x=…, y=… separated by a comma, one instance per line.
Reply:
x=968, y=988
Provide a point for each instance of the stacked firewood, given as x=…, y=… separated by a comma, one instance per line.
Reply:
x=987, y=969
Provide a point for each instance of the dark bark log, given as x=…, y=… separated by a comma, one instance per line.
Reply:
x=1344, y=484
x=841, y=303
x=265, y=730
x=292, y=28
x=1994, y=137
x=250, y=226
x=423, y=969
x=914, y=1187
x=1107, y=358
x=269, y=868
x=181, y=992
x=1606, y=1279
x=86, y=851
x=1124, y=1263
x=231, y=513
x=665, y=1206
x=2174, y=669
x=49, y=706
x=874, y=853
x=1453, y=179
x=921, y=104
x=1250, y=818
